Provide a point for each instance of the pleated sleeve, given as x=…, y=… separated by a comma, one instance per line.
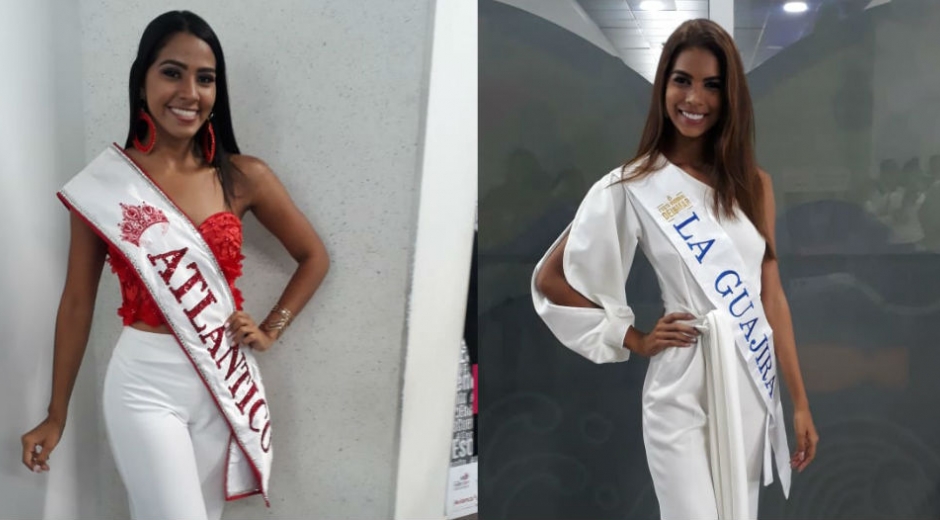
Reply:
x=602, y=242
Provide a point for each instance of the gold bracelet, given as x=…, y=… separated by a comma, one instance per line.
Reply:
x=280, y=321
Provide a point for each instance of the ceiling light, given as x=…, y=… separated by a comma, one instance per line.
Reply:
x=652, y=5
x=795, y=7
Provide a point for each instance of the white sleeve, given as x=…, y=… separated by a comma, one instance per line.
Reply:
x=602, y=241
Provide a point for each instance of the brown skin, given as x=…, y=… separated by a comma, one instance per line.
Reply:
x=778, y=315
x=181, y=77
x=694, y=86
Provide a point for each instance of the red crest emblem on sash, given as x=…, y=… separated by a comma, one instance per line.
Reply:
x=136, y=220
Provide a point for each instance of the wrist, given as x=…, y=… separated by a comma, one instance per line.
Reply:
x=276, y=322
x=57, y=414
x=800, y=405
x=633, y=339
x=271, y=334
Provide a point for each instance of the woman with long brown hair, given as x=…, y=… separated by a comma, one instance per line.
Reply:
x=694, y=200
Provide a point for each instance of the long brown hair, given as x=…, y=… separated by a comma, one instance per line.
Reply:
x=729, y=150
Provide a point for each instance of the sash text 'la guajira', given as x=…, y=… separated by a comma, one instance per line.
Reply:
x=726, y=283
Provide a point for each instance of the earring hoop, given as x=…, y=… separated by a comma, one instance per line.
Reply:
x=208, y=142
x=151, y=133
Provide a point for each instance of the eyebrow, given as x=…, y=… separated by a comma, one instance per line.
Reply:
x=686, y=74
x=184, y=67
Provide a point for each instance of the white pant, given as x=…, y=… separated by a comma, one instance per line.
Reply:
x=675, y=432
x=168, y=437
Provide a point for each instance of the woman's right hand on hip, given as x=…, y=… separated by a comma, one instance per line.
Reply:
x=39, y=442
x=669, y=332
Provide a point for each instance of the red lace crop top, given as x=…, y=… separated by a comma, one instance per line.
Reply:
x=222, y=233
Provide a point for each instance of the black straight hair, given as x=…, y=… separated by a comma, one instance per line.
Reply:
x=155, y=37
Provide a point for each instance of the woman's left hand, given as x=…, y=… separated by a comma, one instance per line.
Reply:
x=244, y=330
x=806, y=439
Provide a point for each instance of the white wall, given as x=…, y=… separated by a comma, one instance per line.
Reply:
x=332, y=95
x=41, y=141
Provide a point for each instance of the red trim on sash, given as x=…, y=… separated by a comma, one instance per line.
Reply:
x=155, y=185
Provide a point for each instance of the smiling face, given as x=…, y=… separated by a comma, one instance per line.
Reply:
x=179, y=87
x=693, y=96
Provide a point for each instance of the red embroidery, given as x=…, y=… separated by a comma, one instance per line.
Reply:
x=137, y=219
x=222, y=233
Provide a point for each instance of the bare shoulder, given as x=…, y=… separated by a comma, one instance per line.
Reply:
x=766, y=183
x=254, y=168
x=262, y=185
x=767, y=194
x=764, y=178
x=259, y=178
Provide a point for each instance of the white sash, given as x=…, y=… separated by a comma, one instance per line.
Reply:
x=126, y=209
x=717, y=266
x=728, y=462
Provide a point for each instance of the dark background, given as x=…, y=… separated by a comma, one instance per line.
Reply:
x=561, y=437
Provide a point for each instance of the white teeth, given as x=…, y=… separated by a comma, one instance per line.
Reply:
x=184, y=113
x=693, y=117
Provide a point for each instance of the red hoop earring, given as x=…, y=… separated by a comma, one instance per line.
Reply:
x=151, y=132
x=208, y=142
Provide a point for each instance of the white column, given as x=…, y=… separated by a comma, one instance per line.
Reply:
x=41, y=142
x=442, y=263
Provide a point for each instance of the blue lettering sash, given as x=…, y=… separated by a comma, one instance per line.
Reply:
x=670, y=199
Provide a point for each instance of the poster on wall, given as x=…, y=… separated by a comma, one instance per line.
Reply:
x=462, y=477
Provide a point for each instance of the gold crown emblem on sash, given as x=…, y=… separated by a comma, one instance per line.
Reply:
x=136, y=220
x=673, y=205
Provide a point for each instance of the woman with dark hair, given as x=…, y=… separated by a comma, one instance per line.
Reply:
x=694, y=200
x=183, y=401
